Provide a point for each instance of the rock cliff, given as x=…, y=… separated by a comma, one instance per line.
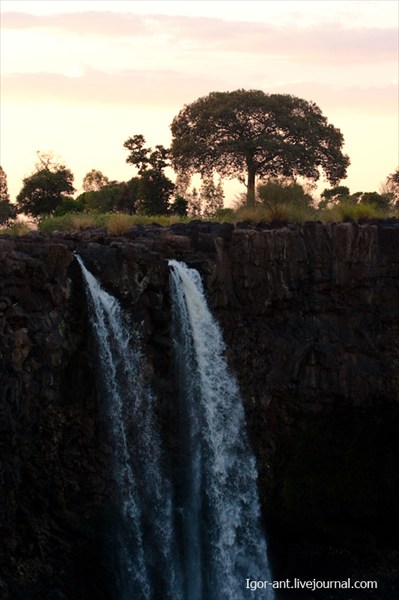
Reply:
x=310, y=317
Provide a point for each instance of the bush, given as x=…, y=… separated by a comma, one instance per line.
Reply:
x=119, y=223
x=359, y=211
x=17, y=228
x=291, y=213
x=69, y=222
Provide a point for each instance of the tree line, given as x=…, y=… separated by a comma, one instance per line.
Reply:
x=275, y=139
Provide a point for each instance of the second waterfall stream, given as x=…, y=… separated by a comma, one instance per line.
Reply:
x=223, y=543
x=195, y=534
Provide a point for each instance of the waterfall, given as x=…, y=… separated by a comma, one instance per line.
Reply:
x=200, y=538
x=221, y=535
x=147, y=560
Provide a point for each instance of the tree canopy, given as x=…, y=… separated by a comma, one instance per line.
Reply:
x=392, y=186
x=94, y=180
x=43, y=191
x=146, y=158
x=249, y=134
x=154, y=189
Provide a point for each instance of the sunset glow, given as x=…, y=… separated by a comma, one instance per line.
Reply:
x=80, y=77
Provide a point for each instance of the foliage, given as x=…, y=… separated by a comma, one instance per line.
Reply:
x=103, y=200
x=114, y=196
x=69, y=222
x=333, y=196
x=8, y=211
x=94, y=180
x=391, y=187
x=145, y=158
x=43, y=191
x=381, y=201
x=154, y=192
x=179, y=206
x=127, y=199
x=182, y=185
x=277, y=193
x=250, y=133
x=224, y=215
x=16, y=228
x=347, y=211
x=4, y=195
x=211, y=195
x=119, y=223
x=287, y=213
x=69, y=205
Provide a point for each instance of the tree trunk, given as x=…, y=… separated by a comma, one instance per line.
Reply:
x=251, y=186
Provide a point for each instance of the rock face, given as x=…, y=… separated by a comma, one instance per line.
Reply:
x=310, y=318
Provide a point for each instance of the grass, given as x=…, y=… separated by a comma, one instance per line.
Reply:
x=351, y=212
x=290, y=213
x=119, y=223
x=116, y=223
x=16, y=229
x=68, y=222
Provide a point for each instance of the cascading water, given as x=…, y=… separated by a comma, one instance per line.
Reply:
x=211, y=543
x=147, y=561
x=221, y=537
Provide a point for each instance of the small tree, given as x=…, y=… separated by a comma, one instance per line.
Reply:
x=333, y=196
x=212, y=196
x=381, y=201
x=94, y=180
x=8, y=211
x=277, y=192
x=127, y=200
x=179, y=206
x=391, y=187
x=145, y=158
x=154, y=192
x=43, y=191
x=194, y=204
x=154, y=189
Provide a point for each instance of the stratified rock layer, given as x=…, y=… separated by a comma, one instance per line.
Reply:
x=310, y=317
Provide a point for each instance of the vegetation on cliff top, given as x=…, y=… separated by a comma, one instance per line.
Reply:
x=282, y=140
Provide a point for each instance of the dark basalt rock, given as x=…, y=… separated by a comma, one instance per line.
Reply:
x=310, y=316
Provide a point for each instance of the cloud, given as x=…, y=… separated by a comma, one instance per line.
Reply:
x=381, y=100
x=324, y=43
x=172, y=88
x=131, y=87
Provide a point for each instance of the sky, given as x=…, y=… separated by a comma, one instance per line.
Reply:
x=80, y=77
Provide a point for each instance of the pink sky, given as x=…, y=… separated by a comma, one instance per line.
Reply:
x=79, y=78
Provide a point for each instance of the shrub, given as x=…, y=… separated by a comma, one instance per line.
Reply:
x=17, y=228
x=119, y=223
x=291, y=213
x=358, y=211
x=69, y=222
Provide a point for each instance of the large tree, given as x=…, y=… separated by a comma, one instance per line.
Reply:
x=247, y=133
x=43, y=191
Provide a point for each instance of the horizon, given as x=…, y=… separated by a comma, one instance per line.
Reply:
x=97, y=73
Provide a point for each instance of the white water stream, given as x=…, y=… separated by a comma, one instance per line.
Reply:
x=222, y=534
x=207, y=542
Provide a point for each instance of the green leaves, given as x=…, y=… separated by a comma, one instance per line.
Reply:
x=43, y=191
x=248, y=132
